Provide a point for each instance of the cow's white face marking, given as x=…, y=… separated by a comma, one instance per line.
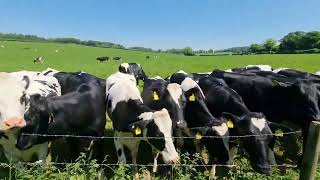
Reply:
x=125, y=66
x=259, y=123
x=164, y=123
x=223, y=130
x=188, y=84
x=175, y=92
x=182, y=72
x=121, y=87
x=262, y=67
x=11, y=92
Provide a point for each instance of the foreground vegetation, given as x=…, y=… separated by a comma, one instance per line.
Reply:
x=15, y=56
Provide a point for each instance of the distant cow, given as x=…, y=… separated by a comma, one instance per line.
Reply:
x=117, y=58
x=102, y=58
x=134, y=69
x=38, y=60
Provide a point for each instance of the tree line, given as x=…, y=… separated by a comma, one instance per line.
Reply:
x=34, y=38
x=294, y=42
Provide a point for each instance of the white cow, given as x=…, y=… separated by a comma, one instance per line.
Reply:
x=31, y=84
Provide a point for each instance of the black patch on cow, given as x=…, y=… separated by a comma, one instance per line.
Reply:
x=153, y=131
x=47, y=72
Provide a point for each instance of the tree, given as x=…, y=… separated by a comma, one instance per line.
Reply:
x=270, y=45
x=210, y=51
x=292, y=41
x=255, y=48
x=188, y=51
x=310, y=39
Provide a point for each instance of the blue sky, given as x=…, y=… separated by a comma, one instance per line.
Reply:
x=201, y=24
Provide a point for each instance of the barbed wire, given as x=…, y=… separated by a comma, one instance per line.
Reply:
x=139, y=165
x=140, y=137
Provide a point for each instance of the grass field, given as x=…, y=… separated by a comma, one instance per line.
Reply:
x=19, y=56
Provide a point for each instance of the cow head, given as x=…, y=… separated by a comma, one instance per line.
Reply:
x=257, y=145
x=13, y=101
x=37, y=121
x=157, y=124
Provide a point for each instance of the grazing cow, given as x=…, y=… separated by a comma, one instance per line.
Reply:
x=158, y=94
x=138, y=120
x=220, y=99
x=102, y=58
x=294, y=102
x=38, y=60
x=117, y=58
x=81, y=112
x=134, y=69
x=36, y=84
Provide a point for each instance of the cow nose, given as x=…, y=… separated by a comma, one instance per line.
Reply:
x=14, y=122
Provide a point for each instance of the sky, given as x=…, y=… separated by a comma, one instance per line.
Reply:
x=200, y=24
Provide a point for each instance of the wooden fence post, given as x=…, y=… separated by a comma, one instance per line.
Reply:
x=311, y=153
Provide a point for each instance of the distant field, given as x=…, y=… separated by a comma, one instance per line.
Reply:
x=19, y=55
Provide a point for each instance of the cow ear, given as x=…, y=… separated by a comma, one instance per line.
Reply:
x=35, y=99
x=199, y=131
x=231, y=119
x=26, y=81
x=138, y=127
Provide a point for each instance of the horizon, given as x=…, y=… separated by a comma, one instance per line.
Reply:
x=161, y=24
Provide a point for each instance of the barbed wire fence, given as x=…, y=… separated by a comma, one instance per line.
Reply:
x=42, y=164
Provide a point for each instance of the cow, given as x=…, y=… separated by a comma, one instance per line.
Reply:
x=292, y=73
x=48, y=72
x=292, y=101
x=117, y=58
x=38, y=60
x=181, y=75
x=35, y=84
x=80, y=112
x=158, y=94
x=102, y=58
x=138, y=120
x=70, y=81
x=134, y=69
x=221, y=99
x=317, y=73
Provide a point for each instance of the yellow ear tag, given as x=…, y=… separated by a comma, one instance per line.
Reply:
x=230, y=124
x=192, y=98
x=198, y=136
x=274, y=83
x=137, y=131
x=278, y=133
x=155, y=96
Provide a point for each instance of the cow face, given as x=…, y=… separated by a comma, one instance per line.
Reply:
x=257, y=146
x=158, y=125
x=196, y=111
x=37, y=121
x=218, y=148
x=13, y=101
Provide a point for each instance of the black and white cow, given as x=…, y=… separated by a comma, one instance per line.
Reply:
x=133, y=69
x=102, y=58
x=292, y=73
x=138, y=120
x=294, y=101
x=80, y=112
x=221, y=99
x=36, y=84
x=70, y=81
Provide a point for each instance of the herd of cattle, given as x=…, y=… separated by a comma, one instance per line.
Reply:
x=249, y=101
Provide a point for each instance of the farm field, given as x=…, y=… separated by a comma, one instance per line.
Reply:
x=17, y=56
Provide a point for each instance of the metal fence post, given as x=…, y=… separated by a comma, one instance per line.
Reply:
x=311, y=153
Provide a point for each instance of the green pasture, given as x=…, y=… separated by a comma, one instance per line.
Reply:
x=17, y=56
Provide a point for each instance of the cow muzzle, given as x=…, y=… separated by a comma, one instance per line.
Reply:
x=13, y=122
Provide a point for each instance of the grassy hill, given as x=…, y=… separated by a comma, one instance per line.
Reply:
x=19, y=55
